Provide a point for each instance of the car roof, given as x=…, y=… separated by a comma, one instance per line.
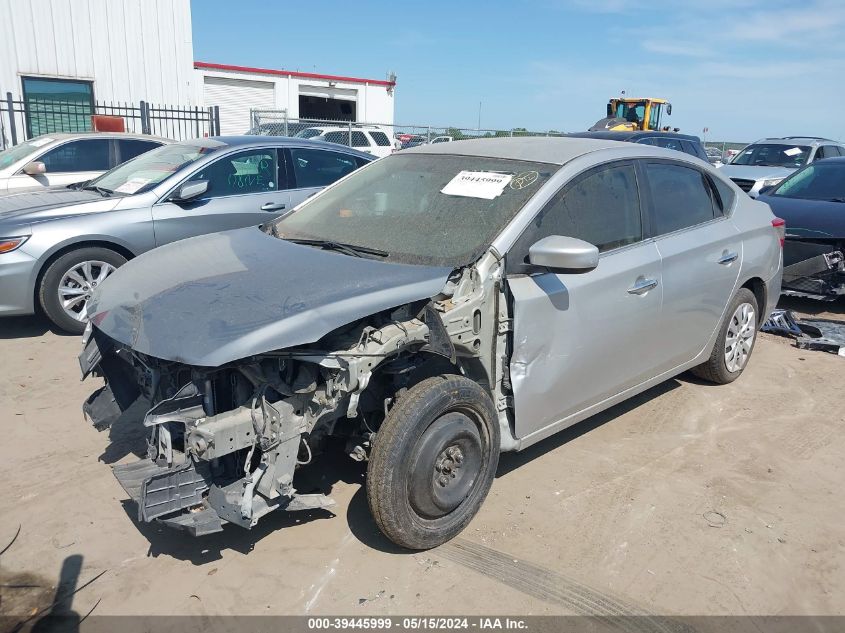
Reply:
x=541, y=149
x=62, y=136
x=796, y=140
x=633, y=135
x=256, y=140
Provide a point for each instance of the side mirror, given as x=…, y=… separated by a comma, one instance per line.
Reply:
x=564, y=253
x=669, y=109
x=189, y=191
x=35, y=168
x=765, y=191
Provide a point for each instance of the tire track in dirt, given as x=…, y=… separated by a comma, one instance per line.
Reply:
x=554, y=588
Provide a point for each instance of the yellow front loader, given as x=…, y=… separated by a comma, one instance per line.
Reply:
x=628, y=115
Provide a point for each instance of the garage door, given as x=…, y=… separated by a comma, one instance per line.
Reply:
x=236, y=97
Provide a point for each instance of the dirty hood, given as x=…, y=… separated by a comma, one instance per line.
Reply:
x=221, y=297
x=754, y=172
x=46, y=204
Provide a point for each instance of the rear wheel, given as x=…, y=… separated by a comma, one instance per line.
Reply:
x=433, y=461
x=735, y=341
x=69, y=281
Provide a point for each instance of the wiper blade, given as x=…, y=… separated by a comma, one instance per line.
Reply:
x=836, y=199
x=100, y=190
x=349, y=249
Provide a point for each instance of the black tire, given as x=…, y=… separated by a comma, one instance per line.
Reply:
x=48, y=290
x=715, y=369
x=433, y=461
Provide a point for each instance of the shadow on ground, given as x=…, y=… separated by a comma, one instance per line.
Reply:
x=31, y=326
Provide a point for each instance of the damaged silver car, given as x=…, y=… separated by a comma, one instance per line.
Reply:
x=423, y=314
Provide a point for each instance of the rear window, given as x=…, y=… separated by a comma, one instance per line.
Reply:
x=380, y=138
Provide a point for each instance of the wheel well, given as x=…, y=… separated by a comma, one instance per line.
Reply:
x=117, y=248
x=756, y=285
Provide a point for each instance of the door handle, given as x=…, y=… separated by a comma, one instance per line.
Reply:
x=273, y=206
x=642, y=286
x=728, y=258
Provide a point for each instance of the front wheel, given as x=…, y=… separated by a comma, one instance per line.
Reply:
x=433, y=461
x=68, y=282
x=735, y=342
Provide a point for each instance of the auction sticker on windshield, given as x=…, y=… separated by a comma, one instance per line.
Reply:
x=792, y=152
x=477, y=184
x=132, y=185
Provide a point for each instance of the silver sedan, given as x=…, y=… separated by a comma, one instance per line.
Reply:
x=59, y=244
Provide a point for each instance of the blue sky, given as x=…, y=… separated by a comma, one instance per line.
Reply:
x=744, y=68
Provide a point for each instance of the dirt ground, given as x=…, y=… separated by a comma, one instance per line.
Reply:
x=688, y=500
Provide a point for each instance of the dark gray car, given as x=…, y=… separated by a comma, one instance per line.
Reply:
x=57, y=245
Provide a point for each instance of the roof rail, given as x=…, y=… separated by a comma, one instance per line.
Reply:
x=818, y=138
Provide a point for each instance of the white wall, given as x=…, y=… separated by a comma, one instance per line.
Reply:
x=374, y=102
x=132, y=50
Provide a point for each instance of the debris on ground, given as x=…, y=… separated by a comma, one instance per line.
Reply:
x=825, y=335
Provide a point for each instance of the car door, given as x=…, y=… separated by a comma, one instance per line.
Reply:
x=312, y=169
x=580, y=338
x=243, y=190
x=701, y=255
x=74, y=161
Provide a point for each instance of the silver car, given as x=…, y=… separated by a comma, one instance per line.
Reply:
x=431, y=310
x=63, y=159
x=59, y=244
x=767, y=162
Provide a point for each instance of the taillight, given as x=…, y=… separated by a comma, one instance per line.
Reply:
x=779, y=224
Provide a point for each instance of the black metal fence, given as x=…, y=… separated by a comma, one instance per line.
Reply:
x=22, y=120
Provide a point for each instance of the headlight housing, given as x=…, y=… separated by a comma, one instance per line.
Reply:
x=771, y=182
x=8, y=244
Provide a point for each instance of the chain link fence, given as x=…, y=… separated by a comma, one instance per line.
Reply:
x=278, y=123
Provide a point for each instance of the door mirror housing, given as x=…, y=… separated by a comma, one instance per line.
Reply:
x=765, y=191
x=35, y=168
x=564, y=253
x=189, y=191
x=669, y=109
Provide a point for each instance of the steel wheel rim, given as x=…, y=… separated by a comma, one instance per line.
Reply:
x=77, y=284
x=739, y=338
x=446, y=466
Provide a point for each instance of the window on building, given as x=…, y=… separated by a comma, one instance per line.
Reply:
x=57, y=105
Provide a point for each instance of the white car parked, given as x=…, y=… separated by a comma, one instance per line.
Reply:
x=370, y=139
x=64, y=159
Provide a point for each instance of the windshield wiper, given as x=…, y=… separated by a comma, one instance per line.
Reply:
x=100, y=190
x=836, y=199
x=349, y=249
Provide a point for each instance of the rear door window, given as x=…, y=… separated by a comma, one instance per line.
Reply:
x=381, y=139
x=94, y=154
x=681, y=197
x=318, y=167
x=129, y=148
x=359, y=139
x=341, y=138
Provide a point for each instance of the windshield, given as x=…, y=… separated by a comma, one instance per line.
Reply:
x=309, y=132
x=438, y=210
x=819, y=181
x=22, y=150
x=149, y=169
x=772, y=155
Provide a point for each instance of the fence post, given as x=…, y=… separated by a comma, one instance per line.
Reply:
x=428, y=134
x=12, y=129
x=145, y=118
x=350, y=133
x=286, y=123
x=216, y=120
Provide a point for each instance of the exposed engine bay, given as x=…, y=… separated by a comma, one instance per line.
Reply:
x=225, y=443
